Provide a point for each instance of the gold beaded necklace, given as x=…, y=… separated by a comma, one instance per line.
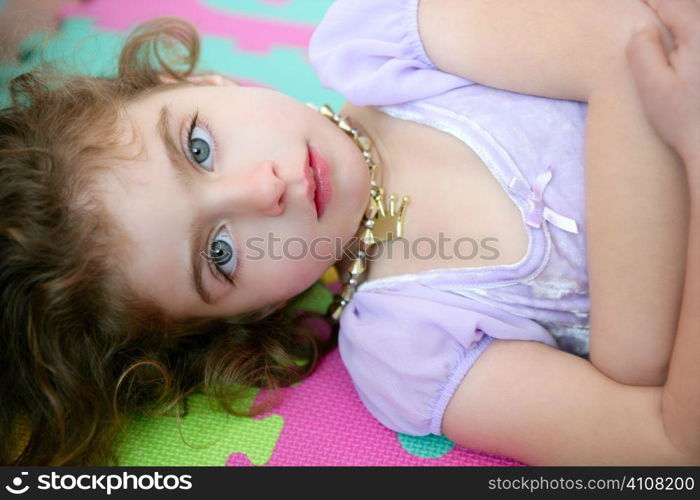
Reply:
x=378, y=223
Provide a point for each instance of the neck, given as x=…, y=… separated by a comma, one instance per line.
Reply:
x=385, y=216
x=371, y=123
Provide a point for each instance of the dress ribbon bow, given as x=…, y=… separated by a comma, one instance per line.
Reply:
x=538, y=211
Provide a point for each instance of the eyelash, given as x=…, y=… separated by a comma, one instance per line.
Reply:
x=196, y=121
x=233, y=280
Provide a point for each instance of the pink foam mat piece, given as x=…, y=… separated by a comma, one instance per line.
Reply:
x=251, y=34
x=326, y=424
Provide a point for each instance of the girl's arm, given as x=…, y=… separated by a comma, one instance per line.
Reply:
x=551, y=48
x=548, y=407
x=669, y=85
x=528, y=401
x=681, y=395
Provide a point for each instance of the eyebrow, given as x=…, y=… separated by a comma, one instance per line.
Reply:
x=196, y=231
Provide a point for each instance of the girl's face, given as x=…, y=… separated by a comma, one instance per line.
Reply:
x=220, y=193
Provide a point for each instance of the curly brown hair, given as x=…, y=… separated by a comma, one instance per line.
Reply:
x=80, y=351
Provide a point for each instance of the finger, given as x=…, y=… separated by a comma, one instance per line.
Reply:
x=681, y=17
x=647, y=58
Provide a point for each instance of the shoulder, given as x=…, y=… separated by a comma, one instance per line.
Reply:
x=371, y=53
x=407, y=349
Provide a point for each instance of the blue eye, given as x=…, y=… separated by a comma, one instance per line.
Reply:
x=222, y=253
x=200, y=146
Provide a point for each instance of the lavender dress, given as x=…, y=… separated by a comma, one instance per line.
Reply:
x=408, y=341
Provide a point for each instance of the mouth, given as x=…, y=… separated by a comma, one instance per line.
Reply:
x=311, y=185
x=323, y=191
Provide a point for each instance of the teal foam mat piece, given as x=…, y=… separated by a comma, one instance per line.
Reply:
x=430, y=446
x=80, y=46
x=303, y=11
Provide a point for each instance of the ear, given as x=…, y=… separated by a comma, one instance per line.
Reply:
x=206, y=79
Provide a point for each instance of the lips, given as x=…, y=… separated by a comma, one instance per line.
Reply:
x=310, y=183
x=323, y=187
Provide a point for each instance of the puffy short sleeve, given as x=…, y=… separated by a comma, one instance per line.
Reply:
x=371, y=53
x=408, y=348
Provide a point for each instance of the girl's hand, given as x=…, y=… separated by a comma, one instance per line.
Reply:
x=669, y=84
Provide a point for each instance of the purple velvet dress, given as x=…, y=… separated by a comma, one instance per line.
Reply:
x=408, y=341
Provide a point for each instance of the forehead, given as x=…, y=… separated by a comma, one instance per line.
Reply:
x=155, y=98
x=138, y=124
x=142, y=194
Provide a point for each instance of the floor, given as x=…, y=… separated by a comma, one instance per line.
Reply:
x=18, y=18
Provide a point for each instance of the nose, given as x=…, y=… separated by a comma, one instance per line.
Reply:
x=260, y=190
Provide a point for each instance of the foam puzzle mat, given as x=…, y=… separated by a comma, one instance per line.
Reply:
x=320, y=421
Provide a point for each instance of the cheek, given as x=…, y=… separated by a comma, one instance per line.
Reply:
x=322, y=250
x=302, y=272
x=283, y=267
x=291, y=276
x=292, y=250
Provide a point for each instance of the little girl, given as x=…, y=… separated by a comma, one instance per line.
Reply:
x=147, y=222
